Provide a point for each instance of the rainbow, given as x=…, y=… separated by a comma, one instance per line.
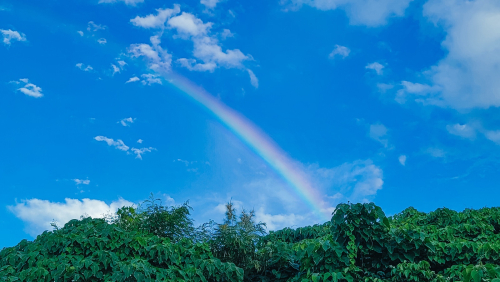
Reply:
x=257, y=140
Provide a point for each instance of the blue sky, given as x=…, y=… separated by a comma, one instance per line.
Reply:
x=390, y=101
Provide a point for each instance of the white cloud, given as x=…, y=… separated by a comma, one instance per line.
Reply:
x=141, y=151
x=402, y=160
x=9, y=35
x=83, y=67
x=127, y=121
x=158, y=20
x=118, y=144
x=467, y=77
x=278, y=221
x=340, y=51
x=121, y=64
x=150, y=79
x=187, y=24
x=133, y=79
x=435, y=152
x=360, y=12
x=115, y=69
x=91, y=26
x=208, y=50
x=210, y=4
x=28, y=88
x=416, y=90
x=102, y=41
x=38, y=214
x=81, y=181
x=493, y=135
x=80, y=32
x=462, y=130
x=140, y=141
x=127, y=2
x=226, y=33
x=378, y=132
x=159, y=60
x=192, y=65
x=253, y=79
x=355, y=181
x=377, y=67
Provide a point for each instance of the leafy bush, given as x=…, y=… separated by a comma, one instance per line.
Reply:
x=360, y=243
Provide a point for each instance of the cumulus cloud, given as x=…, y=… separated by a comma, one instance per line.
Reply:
x=253, y=79
x=38, y=214
x=462, y=130
x=158, y=59
x=10, y=35
x=467, y=77
x=226, y=33
x=28, y=88
x=150, y=79
x=208, y=53
x=118, y=144
x=339, y=51
x=158, y=20
x=402, y=160
x=81, y=181
x=377, y=67
x=378, y=132
x=126, y=2
x=127, y=121
x=83, y=67
x=80, y=32
x=133, y=79
x=102, y=41
x=115, y=69
x=360, y=12
x=187, y=24
x=140, y=141
x=210, y=4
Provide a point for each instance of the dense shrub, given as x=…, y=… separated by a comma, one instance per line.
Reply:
x=360, y=243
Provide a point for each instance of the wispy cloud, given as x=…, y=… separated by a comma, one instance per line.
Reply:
x=28, y=88
x=84, y=68
x=378, y=132
x=102, y=41
x=462, y=130
x=377, y=67
x=339, y=51
x=126, y=2
x=402, y=160
x=150, y=79
x=38, y=214
x=118, y=144
x=91, y=26
x=360, y=12
x=10, y=35
x=141, y=151
x=81, y=181
x=209, y=4
x=253, y=79
x=127, y=121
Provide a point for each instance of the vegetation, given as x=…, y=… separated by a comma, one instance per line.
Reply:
x=153, y=242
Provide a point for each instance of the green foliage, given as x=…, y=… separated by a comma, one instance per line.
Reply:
x=152, y=217
x=360, y=243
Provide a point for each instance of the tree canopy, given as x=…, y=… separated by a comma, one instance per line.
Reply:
x=153, y=242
